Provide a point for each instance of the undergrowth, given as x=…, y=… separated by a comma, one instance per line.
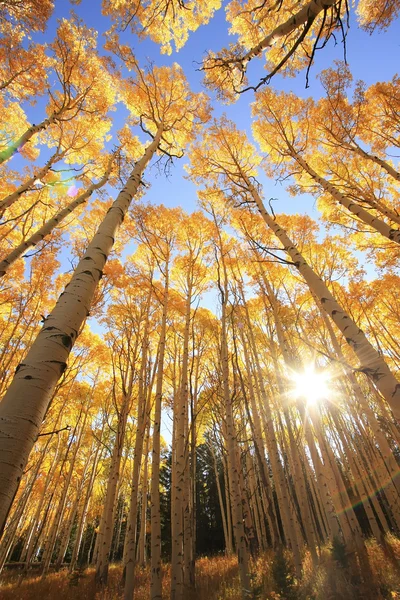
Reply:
x=339, y=575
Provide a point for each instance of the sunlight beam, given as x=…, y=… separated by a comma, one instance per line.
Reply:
x=310, y=384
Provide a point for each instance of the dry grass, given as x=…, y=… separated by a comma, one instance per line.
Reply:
x=217, y=579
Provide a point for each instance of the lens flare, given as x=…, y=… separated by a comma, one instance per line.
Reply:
x=310, y=384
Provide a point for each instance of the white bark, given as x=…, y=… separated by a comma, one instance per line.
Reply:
x=308, y=13
x=27, y=399
x=372, y=363
x=356, y=209
x=52, y=223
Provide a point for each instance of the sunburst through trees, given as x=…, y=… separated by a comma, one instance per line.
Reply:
x=199, y=400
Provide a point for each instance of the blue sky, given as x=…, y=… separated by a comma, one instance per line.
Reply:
x=371, y=58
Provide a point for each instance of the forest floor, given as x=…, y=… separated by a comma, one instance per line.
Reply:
x=217, y=578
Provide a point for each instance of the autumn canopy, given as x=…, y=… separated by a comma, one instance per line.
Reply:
x=199, y=299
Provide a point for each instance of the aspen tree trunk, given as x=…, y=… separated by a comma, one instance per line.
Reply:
x=106, y=528
x=190, y=568
x=85, y=509
x=52, y=223
x=372, y=363
x=142, y=411
x=255, y=424
x=228, y=549
x=305, y=16
x=391, y=234
x=34, y=129
x=36, y=378
x=378, y=161
x=156, y=573
x=142, y=553
x=228, y=506
x=9, y=200
x=289, y=518
x=189, y=555
x=47, y=555
x=233, y=468
x=180, y=503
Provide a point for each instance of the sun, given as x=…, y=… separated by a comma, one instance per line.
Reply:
x=310, y=384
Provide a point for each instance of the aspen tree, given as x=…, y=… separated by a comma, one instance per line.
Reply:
x=55, y=221
x=166, y=22
x=141, y=557
x=260, y=27
x=81, y=79
x=173, y=124
x=142, y=424
x=46, y=361
x=275, y=134
x=225, y=143
x=233, y=466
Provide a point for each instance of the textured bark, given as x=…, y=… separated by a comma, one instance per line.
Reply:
x=354, y=207
x=142, y=421
x=52, y=223
x=305, y=15
x=372, y=363
x=106, y=528
x=24, y=187
x=25, y=404
x=156, y=574
x=235, y=495
x=180, y=499
x=141, y=551
x=85, y=509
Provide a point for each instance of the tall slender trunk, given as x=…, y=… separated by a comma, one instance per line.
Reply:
x=156, y=573
x=354, y=207
x=45, y=362
x=9, y=200
x=180, y=499
x=372, y=363
x=142, y=550
x=54, y=222
x=142, y=421
x=106, y=528
x=235, y=495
